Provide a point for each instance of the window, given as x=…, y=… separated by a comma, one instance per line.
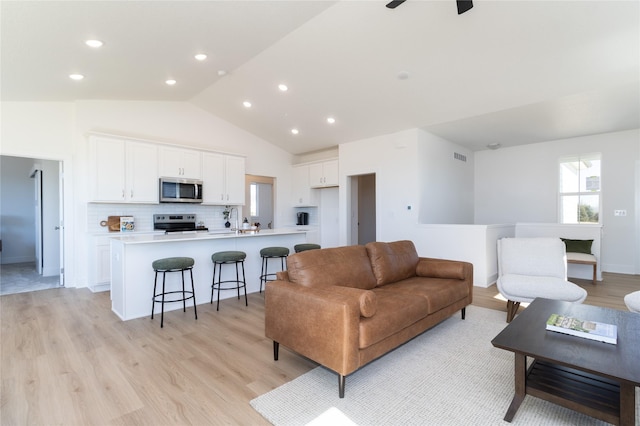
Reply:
x=579, y=192
x=253, y=197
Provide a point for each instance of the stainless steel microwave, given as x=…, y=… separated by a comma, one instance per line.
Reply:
x=175, y=190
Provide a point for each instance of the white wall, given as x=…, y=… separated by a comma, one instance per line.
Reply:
x=54, y=130
x=520, y=184
x=413, y=169
x=446, y=182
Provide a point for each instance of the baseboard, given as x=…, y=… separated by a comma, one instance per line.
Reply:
x=98, y=288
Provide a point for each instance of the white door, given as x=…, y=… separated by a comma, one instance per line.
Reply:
x=61, y=219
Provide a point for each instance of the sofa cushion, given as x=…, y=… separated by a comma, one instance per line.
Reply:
x=340, y=266
x=440, y=269
x=438, y=292
x=396, y=311
x=392, y=262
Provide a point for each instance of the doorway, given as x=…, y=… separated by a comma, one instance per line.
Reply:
x=363, y=208
x=30, y=219
x=259, y=200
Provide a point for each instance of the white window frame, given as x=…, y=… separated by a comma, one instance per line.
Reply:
x=561, y=195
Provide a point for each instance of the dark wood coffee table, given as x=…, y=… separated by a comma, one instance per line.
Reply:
x=594, y=378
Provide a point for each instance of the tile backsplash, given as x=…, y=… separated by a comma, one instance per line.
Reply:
x=211, y=216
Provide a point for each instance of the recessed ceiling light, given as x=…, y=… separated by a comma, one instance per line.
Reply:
x=494, y=145
x=403, y=75
x=171, y=82
x=295, y=131
x=76, y=76
x=283, y=87
x=331, y=120
x=222, y=72
x=200, y=56
x=94, y=43
x=247, y=104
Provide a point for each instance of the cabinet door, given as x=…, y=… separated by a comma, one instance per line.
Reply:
x=235, y=180
x=180, y=163
x=301, y=189
x=330, y=171
x=316, y=175
x=108, y=164
x=191, y=164
x=103, y=264
x=142, y=173
x=213, y=185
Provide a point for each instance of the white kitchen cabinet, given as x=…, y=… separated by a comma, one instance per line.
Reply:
x=100, y=264
x=223, y=179
x=180, y=163
x=302, y=195
x=123, y=171
x=323, y=174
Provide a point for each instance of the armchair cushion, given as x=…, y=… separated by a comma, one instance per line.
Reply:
x=525, y=288
x=532, y=256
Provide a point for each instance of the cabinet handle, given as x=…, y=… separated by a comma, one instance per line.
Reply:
x=123, y=194
x=131, y=196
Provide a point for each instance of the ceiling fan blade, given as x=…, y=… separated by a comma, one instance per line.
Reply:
x=395, y=3
x=464, y=5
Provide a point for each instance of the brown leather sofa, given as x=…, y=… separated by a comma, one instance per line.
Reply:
x=344, y=307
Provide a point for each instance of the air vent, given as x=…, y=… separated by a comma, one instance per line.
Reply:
x=460, y=157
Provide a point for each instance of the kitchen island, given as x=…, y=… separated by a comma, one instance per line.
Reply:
x=132, y=275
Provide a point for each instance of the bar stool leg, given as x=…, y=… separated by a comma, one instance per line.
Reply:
x=164, y=276
x=193, y=292
x=244, y=281
x=213, y=281
x=238, y=280
x=153, y=298
x=184, y=300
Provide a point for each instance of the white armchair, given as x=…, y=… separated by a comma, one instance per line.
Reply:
x=534, y=267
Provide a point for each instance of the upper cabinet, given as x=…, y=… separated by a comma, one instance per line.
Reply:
x=180, y=163
x=302, y=195
x=123, y=171
x=223, y=179
x=323, y=174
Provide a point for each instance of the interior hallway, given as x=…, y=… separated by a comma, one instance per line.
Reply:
x=22, y=277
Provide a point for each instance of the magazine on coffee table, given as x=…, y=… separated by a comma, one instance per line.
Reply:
x=593, y=330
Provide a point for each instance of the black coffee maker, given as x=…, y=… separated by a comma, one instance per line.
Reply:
x=303, y=218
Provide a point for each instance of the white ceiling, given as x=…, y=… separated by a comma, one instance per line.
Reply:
x=508, y=72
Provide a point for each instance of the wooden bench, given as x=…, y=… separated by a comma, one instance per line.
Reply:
x=583, y=259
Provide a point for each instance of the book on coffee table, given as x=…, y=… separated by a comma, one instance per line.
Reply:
x=593, y=330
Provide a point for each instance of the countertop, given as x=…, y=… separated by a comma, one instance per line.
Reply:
x=147, y=238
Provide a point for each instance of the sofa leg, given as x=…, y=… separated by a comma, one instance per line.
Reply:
x=512, y=309
x=276, y=346
x=341, y=380
x=464, y=312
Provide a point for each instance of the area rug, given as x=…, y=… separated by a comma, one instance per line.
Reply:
x=450, y=375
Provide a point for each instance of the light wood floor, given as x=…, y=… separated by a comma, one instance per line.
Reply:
x=67, y=359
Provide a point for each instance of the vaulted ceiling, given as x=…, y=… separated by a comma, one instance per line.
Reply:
x=507, y=72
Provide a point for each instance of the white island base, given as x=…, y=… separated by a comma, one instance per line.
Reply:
x=132, y=275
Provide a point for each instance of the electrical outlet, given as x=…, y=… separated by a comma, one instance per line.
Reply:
x=619, y=212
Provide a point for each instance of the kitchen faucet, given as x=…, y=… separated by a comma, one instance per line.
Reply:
x=237, y=221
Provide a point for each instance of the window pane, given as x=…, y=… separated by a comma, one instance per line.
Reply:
x=569, y=209
x=590, y=176
x=253, y=208
x=589, y=208
x=569, y=176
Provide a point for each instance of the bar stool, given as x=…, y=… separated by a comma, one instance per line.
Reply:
x=271, y=253
x=223, y=258
x=305, y=246
x=164, y=266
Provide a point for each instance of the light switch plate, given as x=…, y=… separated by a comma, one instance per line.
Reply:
x=619, y=212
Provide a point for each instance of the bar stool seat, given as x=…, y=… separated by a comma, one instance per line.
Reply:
x=271, y=253
x=167, y=265
x=226, y=258
x=305, y=246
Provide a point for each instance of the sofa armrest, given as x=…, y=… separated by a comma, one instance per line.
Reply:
x=443, y=268
x=319, y=323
